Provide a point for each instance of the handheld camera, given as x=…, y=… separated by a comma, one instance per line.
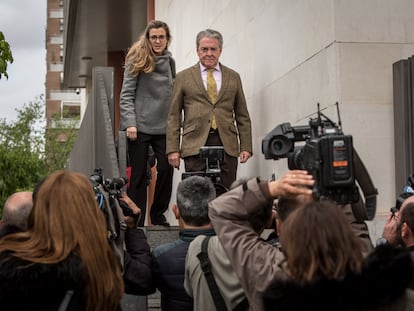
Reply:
x=113, y=187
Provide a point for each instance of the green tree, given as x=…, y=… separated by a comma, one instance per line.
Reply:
x=22, y=162
x=5, y=55
x=29, y=152
x=59, y=143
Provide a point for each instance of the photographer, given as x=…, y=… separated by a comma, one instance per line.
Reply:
x=137, y=255
x=128, y=243
x=255, y=261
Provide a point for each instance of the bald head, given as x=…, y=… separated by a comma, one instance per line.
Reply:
x=406, y=202
x=17, y=208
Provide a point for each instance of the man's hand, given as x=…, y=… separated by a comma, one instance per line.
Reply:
x=390, y=229
x=244, y=156
x=131, y=133
x=174, y=159
x=131, y=221
x=291, y=184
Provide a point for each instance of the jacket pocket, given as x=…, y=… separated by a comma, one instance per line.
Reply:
x=189, y=129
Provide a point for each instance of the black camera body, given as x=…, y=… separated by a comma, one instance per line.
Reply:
x=327, y=154
x=113, y=187
x=212, y=156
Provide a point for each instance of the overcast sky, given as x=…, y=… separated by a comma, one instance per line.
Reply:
x=23, y=23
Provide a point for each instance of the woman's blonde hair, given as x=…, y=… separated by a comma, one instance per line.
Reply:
x=140, y=56
x=318, y=242
x=66, y=220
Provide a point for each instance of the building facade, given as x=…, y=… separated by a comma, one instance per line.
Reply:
x=291, y=55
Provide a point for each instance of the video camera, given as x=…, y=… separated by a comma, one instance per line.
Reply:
x=327, y=154
x=113, y=187
x=212, y=156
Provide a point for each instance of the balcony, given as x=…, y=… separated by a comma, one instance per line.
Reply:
x=64, y=123
x=64, y=95
x=56, y=67
x=56, y=13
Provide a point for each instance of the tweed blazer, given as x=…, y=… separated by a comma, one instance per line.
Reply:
x=230, y=109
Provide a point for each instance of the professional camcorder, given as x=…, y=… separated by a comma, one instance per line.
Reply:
x=212, y=155
x=112, y=187
x=327, y=154
x=108, y=193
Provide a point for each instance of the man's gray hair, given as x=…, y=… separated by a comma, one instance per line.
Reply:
x=193, y=195
x=212, y=34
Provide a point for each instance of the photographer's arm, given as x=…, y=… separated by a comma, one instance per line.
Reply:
x=138, y=261
x=254, y=260
x=137, y=257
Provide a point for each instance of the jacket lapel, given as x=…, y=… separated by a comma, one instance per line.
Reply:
x=224, y=82
x=198, y=81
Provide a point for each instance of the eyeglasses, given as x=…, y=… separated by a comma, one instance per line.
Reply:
x=206, y=49
x=155, y=38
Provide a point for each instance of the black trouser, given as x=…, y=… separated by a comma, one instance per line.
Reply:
x=228, y=167
x=138, y=157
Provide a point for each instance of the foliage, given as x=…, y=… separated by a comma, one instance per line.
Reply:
x=28, y=151
x=5, y=55
x=59, y=143
x=21, y=150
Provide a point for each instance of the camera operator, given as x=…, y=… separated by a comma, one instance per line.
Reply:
x=255, y=261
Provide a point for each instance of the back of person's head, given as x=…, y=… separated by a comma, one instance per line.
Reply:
x=17, y=208
x=66, y=220
x=405, y=227
x=193, y=195
x=318, y=243
x=285, y=206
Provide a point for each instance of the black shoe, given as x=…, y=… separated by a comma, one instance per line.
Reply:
x=160, y=221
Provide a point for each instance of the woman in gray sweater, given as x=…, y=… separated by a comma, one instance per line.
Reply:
x=144, y=105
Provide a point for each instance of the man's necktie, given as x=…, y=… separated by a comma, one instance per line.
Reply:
x=212, y=93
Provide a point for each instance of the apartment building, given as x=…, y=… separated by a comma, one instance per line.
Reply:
x=63, y=106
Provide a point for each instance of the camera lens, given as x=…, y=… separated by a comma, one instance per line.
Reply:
x=280, y=146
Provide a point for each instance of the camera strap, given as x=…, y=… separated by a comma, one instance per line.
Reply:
x=205, y=265
x=121, y=238
x=364, y=211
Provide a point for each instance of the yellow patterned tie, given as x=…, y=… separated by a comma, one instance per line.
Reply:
x=212, y=93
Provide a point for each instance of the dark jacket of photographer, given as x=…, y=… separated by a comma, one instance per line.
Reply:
x=255, y=261
x=169, y=270
x=381, y=285
x=138, y=264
